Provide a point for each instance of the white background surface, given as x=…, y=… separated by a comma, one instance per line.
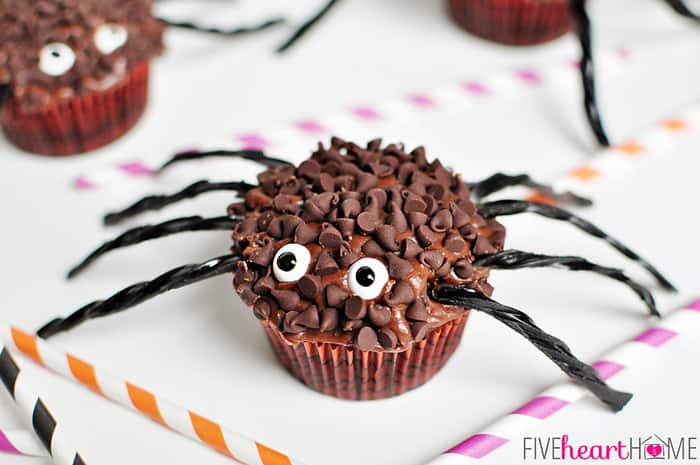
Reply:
x=202, y=348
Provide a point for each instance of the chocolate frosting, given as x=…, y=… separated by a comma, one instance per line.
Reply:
x=27, y=26
x=348, y=202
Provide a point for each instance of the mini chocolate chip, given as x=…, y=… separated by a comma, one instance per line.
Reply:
x=237, y=208
x=263, y=255
x=247, y=227
x=345, y=183
x=286, y=299
x=329, y=319
x=469, y=232
x=410, y=249
x=454, y=242
x=346, y=226
x=374, y=144
x=372, y=248
x=376, y=199
x=366, y=339
x=417, y=311
x=380, y=169
x=387, y=338
x=262, y=309
x=418, y=188
x=312, y=212
x=433, y=259
x=290, y=324
x=401, y=293
x=367, y=222
x=310, y=169
x=379, y=315
x=308, y=318
x=350, y=208
x=430, y=204
x=419, y=330
x=459, y=216
x=325, y=181
x=264, y=285
x=441, y=221
x=398, y=267
x=309, y=286
x=437, y=190
x=332, y=215
x=330, y=237
x=352, y=325
x=416, y=219
x=386, y=236
x=336, y=296
x=365, y=181
x=463, y=269
x=498, y=234
x=279, y=202
x=482, y=246
x=289, y=225
x=405, y=172
x=274, y=229
x=247, y=295
x=355, y=308
x=413, y=203
x=305, y=234
x=426, y=237
x=398, y=220
x=418, y=155
x=264, y=220
x=325, y=264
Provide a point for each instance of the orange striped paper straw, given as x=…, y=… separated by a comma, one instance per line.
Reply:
x=131, y=396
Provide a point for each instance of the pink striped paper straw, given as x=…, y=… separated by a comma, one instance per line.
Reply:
x=133, y=397
x=18, y=442
x=507, y=428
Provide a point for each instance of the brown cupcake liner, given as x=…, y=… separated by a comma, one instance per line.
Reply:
x=513, y=22
x=80, y=124
x=348, y=373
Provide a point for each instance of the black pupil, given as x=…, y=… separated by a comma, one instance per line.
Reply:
x=365, y=276
x=56, y=53
x=287, y=261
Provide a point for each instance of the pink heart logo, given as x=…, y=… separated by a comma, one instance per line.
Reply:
x=654, y=450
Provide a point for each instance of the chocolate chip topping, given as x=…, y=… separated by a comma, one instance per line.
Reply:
x=27, y=26
x=346, y=203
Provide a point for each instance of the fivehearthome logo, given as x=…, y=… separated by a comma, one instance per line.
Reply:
x=651, y=447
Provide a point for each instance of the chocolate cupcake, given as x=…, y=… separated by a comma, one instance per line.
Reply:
x=75, y=72
x=339, y=255
x=513, y=22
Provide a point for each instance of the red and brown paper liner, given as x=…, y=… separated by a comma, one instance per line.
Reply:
x=513, y=22
x=81, y=124
x=348, y=373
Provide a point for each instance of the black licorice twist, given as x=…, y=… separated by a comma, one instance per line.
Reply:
x=43, y=422
x=680, y=7
x=141, y=292
x=554, y=348
x=500, y=181
x=237, y=31
x=156, y=202
x=517, y=259
x=304, y=28
x=146, y=233
x=252, y=155
x=514, y=207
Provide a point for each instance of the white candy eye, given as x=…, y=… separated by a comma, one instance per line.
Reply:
x=291, y=263
x=109, y=37
x=56, y=58
x=367, y=278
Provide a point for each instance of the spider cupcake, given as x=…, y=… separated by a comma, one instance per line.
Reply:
x=364, y=263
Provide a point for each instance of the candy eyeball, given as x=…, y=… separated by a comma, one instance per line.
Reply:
x=291, y=263
x=109, y=37
x=367, y=278
x=56, y=59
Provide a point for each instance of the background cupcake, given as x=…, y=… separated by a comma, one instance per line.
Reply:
x=75, y=73
x=339, y=255
x=513, y=22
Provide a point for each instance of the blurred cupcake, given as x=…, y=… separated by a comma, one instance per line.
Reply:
x=339, y=256
x=75, y=72
x=513, y=22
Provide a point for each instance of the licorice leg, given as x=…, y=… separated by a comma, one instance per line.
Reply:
x=252, y=155
x=156, y=202
x=514, y=207
x=517, y=259
x=587, y=70
x=680, y=7
x=154, y=231
x=141, y=292
x=304, y=28
x=241, y=30
x=554, y=348
x=500, y=181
